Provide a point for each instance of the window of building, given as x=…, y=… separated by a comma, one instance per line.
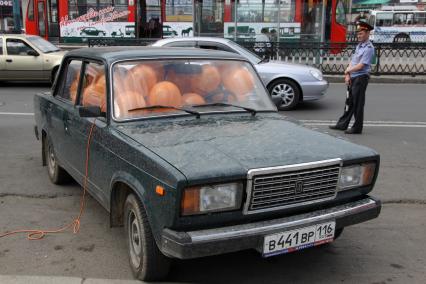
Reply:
x=179, y=10
x=53, y=11
x=340, y=13
x=71, y=81
x=77, y=8
x=31, y=10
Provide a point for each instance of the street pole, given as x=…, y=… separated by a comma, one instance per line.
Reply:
x=17, y=15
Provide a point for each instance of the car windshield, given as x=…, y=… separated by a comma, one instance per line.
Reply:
x=246, y=53
x=143, y=88
x=43, y=44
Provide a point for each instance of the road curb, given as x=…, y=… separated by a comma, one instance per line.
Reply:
x=382, y=79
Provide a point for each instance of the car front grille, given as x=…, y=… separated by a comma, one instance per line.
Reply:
x=290, y=186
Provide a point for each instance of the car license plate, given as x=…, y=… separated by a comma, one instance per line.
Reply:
x=298, y=239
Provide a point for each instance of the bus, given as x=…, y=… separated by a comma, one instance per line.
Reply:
x=284, y=20
x=398, y=26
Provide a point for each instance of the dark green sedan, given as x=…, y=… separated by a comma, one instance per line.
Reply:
x=186, y=150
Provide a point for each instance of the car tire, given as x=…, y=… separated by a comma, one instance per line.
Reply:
x=402, y=38
x=57, y=174
x=285, y=94
x=146, y=260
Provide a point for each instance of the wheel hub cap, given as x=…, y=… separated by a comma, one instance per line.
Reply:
x=284, y=92
x=135, y=243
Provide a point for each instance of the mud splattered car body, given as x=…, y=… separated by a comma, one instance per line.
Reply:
x=189, y=153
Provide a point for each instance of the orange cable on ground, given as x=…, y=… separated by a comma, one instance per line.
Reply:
x=75, y=224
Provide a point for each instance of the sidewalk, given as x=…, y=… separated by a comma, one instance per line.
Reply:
x=384, y=79
x=13, y=279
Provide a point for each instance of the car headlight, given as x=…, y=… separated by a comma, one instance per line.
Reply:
x=356, y=175
x=211, y=198
x=316, y=74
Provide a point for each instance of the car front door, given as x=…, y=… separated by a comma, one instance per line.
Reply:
x=22, y=61
x=93, y=93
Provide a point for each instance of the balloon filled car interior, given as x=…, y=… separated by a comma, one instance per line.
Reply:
x=152, y=88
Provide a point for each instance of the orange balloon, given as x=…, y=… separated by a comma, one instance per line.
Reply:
x=73, y=89
x=182, y=81
x=142, y=78
x=193, y=99
x=208, y=80
x=95, y=93
x=239, y=81
x=125, y=101
x=165, y=93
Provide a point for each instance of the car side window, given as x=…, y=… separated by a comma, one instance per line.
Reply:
x=94, y=86
x=181, y=44
x=215, y=46
x=72, y=79
x=17, y=47
x=1, y=46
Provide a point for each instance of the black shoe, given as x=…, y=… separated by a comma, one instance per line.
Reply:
x=353, y=131
x=335, y=127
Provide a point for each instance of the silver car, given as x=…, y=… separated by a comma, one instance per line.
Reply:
x=287, y=83
x=28, y=58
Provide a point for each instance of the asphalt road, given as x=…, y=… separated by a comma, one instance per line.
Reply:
x=389, y=249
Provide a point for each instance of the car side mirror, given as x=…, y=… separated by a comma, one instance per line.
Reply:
x=32, y=52
x=89, y=111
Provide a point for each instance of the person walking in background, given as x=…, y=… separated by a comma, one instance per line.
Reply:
x=356, y=78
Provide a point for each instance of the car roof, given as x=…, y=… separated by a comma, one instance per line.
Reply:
x=117, y=53
x=17, y=35
x=199, y=38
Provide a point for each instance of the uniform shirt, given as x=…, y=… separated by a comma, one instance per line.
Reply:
x=364, y=53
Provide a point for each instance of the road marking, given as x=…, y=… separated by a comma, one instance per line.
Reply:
x=17, y=113
x=370, y=123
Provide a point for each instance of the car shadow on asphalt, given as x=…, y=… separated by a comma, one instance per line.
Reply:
x=249, y=267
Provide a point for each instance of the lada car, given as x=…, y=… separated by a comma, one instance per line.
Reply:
x=28, y=58
x=188, y=152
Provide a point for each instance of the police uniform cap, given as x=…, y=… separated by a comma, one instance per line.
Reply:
x=363, y=26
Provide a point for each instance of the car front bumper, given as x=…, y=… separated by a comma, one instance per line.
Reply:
x=314, y=90
x=186, y=245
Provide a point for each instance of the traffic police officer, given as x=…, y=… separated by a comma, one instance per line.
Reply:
x=356, y=77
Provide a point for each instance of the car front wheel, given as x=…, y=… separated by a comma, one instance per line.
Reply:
x=285, y=94
x=146, y=260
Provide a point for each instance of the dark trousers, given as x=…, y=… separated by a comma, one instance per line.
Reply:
x=354, y=105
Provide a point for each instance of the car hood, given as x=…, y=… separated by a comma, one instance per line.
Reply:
x=228, y=146
x=56, y=54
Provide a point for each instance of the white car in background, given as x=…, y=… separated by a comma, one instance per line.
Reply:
x=288, y=83
x=28, y=58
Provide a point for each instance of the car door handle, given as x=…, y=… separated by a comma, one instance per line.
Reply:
x=9, y=60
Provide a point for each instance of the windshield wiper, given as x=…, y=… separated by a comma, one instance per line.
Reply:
x=196, y=113
x=250, y=110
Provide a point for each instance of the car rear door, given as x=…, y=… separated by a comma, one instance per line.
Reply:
x=62, y=112
x=19, y=64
